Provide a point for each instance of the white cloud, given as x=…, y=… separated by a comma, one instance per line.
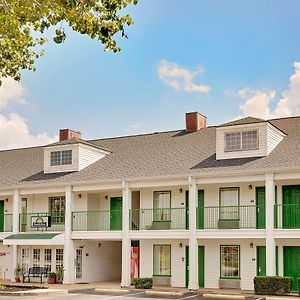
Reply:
x=14, y=131
x=179, y=78
x=135, y=125
x=258, y=102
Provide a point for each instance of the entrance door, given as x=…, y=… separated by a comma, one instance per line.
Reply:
x=78, y=263
x=291, y=260
x=1, y=215
x=187, y=263
x=261, y=260
x=116, y=213
x=200, y=215
x=201, y=266
x=291, y=206
x=260, y=209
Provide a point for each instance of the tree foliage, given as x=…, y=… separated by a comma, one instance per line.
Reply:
x=23, y=25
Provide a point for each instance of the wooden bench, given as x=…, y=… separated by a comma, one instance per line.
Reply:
x=36, y=272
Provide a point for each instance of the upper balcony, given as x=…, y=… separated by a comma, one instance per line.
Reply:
x=287, y=216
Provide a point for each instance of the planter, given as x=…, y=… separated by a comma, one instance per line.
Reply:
x=17, y=279
x=52, y=280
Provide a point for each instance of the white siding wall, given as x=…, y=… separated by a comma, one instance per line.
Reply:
x=88, y=155
x=275, y=136
x=177, y=260
x=5, y=261
x=101, y=263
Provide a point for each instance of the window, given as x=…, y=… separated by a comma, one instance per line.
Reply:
x=162, y=260
x=162, y=206
x=57, y=209
x=24, y=259
x=59, y=258
x=241, y=140
x=48, y=259
x=230, y=261
x=229, y=203
x=36, y=257
x=61, y=158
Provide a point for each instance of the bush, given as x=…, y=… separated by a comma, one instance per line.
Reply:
x=143, y=283
x=273, y=285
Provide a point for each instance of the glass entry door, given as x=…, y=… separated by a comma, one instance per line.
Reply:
x=78, y=263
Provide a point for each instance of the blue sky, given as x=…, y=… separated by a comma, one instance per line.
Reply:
x=244, y=51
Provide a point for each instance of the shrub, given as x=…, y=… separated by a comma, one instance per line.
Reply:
x=273, y=285
x=143, y=283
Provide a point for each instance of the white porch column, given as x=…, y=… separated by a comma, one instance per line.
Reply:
x=126, y=204
x=193, y=244
x=270, y=241
x=15, y=230
x=68, y=243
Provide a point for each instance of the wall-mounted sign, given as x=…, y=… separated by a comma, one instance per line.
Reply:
x=40, y=221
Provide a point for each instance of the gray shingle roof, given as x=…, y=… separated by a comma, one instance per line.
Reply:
x=152, y=155
x=247, y=120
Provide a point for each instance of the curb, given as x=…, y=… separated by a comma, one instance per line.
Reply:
x=37, y=292
x=164, y=293
x=112, y=290
x=221, y=296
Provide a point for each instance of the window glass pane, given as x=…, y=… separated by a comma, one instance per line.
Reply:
x=36, y=257
x=25, y=259
x=229, y=203
x=230, y=262
x=66, y=157
x=57, y=209
x=48, y=259
x=162, y=260
x=59, y=258
x=55, y=158
x=233, y=141
x=161, y=205
x=249, y=140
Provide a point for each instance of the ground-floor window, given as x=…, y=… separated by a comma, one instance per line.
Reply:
x=25, y=259
x=48, y=259
x=59, y=258
x=36, y=257
x=162, y=260
x=230, y=261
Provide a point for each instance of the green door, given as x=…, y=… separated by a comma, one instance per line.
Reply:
x=201, y=263
x=187, y=262
x=186, y=210
x=1, y=216
x=200, y=210
x=291, y=206
x=261, y=260
x=116, y=213
x=260, y=207
x=291, y=261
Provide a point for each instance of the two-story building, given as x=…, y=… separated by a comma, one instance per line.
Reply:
x=200, y=207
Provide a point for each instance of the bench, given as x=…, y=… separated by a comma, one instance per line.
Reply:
x=36, y=272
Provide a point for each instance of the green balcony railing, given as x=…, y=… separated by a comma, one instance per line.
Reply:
x=97, y=220
x=6, y=223
x=28, y=222
x=287, y=216
x=159, y=219
x=231, y=217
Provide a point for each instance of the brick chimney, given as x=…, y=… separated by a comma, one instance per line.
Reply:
x=66, y=134
x=194, y=121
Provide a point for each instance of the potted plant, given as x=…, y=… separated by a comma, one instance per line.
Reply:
x=52, y=278
x=18, y=272
x=60, y=274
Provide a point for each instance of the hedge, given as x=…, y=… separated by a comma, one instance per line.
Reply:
x=143, y=283
x=273, y=285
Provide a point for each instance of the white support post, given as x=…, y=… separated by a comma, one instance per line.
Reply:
x=68, y=243
x=15, y=230
x=126, y=204
x=193, y=244
x=270, y=240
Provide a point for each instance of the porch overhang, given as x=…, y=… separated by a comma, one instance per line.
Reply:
x=34, y=239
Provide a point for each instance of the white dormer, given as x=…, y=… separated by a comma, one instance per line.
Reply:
x=247, y=137
x=71, y=153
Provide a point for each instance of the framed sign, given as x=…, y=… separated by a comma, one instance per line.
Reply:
x=40, y=221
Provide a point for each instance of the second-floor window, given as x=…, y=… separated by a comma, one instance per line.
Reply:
x=162, y=206
x=241, y=140
x=61, y=158
x=229, y=203
x=57, y=209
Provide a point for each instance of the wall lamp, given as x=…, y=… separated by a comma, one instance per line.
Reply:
x=250, y=186
x=180, y=245
x=180, y=190
x=251, y=245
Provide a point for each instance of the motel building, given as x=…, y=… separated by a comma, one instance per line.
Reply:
x=200, y=207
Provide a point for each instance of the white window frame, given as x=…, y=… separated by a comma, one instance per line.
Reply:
x=162, y=206
x=160, y=267
x=61, y=157
x=241, y=138
x=229, y=210
x=226, y=271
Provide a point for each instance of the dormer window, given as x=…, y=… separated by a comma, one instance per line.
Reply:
x=241, y=140
x=59, y=158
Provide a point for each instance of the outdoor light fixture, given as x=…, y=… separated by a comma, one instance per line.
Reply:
x=79, y=195
x=99, y=245
x=180, y=190
x=250, y=186
x=6, y=199
x=180, y=245
x=251, y=245
x=106, y=197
